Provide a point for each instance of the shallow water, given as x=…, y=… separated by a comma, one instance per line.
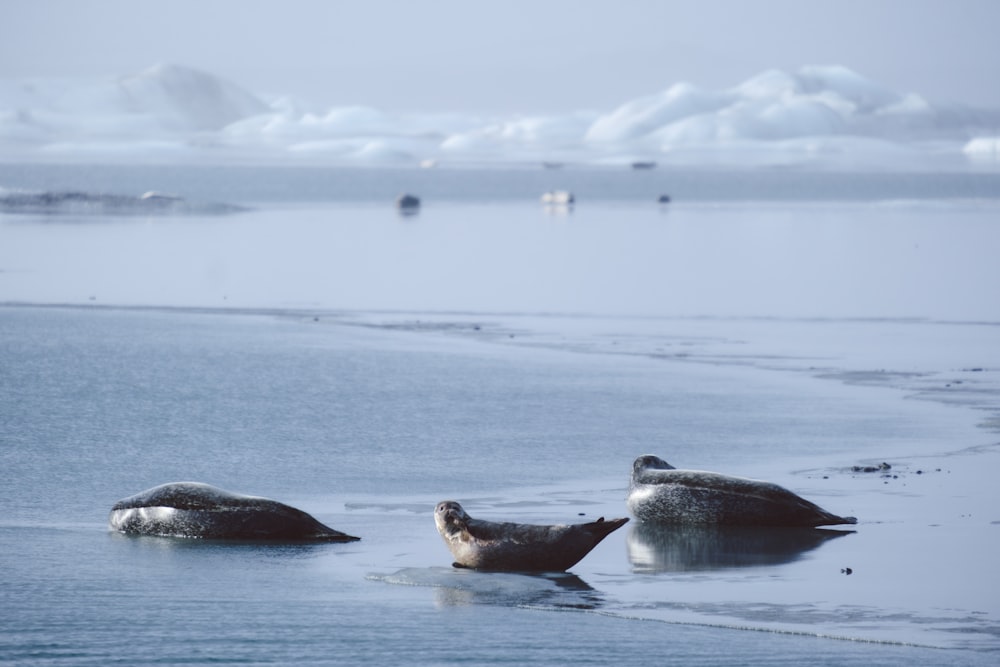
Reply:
x=841, y=260
x=259, y=353
x=381, y=185
x=367, y=427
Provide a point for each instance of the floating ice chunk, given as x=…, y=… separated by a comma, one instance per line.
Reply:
x=983, y=148
x=546, y=130
x=359, y=149
x=333, y=147
x=187, y=98
x=558, y=198
x=908, y=104
x=290, y=107
x=161, y=98
x=170, y=112
x=753, y=120
x=791, y=118
x=864, y=93
x=518, y=136
x=384, y=150
x=353, y=121
x=153, y=195
x=647, y=114
x=771, y=84
x=467, y=143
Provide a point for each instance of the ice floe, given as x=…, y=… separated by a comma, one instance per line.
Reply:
x=173, y=113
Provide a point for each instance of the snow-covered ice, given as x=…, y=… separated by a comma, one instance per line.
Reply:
x=174, y=114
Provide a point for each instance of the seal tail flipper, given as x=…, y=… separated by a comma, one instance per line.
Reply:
x=601, y=528
x=828, y=519
x=810, y=514
x=841, y=520
x=336, y=536
x=321, y=531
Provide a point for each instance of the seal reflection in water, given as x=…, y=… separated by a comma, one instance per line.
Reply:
x=192, y=509
x=517, y=547
x=701, y=547
x=659, y=493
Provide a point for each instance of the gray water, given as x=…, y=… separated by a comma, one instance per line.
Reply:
x=367, y=419
x=249, y=184
x=366, y=430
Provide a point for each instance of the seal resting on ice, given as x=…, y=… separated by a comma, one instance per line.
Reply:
x=660, y=493
x=517, y=547
x=192, y=509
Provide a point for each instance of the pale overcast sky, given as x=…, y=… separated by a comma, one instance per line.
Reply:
x=513, y=56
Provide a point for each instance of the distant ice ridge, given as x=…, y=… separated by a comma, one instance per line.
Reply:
x=173, y=114
x=96, y=203
x=161, y=101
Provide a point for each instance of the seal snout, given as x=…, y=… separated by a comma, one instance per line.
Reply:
x=449, y=513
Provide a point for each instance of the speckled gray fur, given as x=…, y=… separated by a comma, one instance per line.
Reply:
x=193, y=509
x=660, y=493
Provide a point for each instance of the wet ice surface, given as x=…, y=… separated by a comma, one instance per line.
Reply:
x=927, y=517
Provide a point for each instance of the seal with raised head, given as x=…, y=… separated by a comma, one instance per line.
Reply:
x=193, y=509
x=517, y=547
x=660, y=493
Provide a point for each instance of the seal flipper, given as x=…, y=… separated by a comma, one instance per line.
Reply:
x=601, y=528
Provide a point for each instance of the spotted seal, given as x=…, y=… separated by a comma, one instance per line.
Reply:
x=660, y=493
x=517, y=547
x=193, y=509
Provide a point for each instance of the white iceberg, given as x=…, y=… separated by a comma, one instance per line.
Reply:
x=175, y=113
x=983, y=148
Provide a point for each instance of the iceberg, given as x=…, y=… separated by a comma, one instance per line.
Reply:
x=775, y=107
x=646, y=115
x=179, y=114
x=983, y=148
x=187, y=99
x=160, y=99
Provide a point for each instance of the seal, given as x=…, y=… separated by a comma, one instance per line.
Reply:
x=193, y=509
x=517, y=547
x=660, y=493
